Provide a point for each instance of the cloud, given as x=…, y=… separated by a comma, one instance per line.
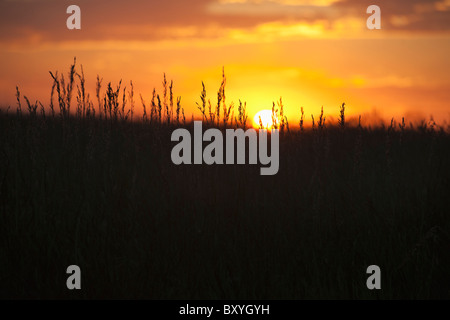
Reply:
x=416, y=15
x=30, y=22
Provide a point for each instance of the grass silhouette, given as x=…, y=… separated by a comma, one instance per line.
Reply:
x=96, y=187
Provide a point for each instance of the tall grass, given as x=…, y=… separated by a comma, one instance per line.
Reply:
x=93, y=188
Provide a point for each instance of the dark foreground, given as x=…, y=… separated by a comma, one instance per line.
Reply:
x=104, y=195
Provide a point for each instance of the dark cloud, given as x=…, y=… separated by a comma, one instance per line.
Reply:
x=421, y=15
x=100, y=18
x=45, y=20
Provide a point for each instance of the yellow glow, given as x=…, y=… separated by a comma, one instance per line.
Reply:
x=265, y=58
x=264, y=118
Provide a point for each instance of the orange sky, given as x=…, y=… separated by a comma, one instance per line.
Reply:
x=312, y=53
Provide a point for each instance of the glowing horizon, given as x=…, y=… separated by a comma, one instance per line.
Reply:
x=312, y=54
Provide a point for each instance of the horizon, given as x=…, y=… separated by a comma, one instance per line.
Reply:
x=225, y=150
x=311, y=55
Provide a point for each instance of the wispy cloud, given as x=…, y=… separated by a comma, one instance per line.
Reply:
x=311, y=52
x=34, y=21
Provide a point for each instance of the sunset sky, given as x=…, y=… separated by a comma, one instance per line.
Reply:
x=312, y=53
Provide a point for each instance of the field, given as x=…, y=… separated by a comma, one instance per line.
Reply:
x=99, y=190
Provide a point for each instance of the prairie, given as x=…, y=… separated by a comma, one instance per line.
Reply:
x=95, y=186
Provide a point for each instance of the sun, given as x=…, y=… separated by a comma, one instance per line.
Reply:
x=264, y=119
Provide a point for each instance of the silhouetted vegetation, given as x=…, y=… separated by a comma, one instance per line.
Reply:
x=96, y=187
